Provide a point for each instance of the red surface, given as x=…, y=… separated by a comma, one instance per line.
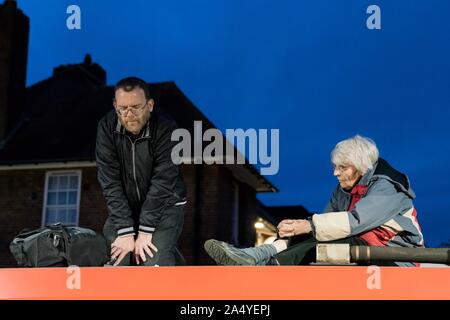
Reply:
x=223, y=283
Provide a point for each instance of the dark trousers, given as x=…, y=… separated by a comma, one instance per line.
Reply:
x=165, y=238
x=302, y=250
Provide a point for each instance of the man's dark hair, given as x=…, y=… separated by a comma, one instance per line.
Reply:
x=129, y=83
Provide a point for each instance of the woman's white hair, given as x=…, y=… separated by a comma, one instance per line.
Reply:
x=361, y=152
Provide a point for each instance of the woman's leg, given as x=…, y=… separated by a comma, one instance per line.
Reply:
x=304, y=252
x=300, y=253
x=226, y=254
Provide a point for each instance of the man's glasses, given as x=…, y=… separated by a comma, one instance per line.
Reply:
x=122, y=111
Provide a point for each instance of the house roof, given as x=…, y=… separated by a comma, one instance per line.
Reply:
x=62, y=113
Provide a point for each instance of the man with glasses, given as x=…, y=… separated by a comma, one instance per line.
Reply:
x=143, y=188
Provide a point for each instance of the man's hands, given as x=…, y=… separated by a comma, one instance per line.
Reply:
x=121, y=247
x=144, y=245
x=289, y=228
x=124, y=245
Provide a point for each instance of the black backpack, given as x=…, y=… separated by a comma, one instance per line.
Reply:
x=57, y=245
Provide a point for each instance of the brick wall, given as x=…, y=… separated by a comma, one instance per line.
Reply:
x=207, y=213
x=21, y=198
x=247, y=215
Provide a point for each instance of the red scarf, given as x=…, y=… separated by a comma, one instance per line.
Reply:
x=357, y=192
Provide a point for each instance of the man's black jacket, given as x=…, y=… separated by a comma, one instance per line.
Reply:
x=139, y=179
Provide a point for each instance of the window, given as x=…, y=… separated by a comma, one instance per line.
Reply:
x=62, y=197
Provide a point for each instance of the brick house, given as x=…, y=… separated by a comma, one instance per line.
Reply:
x=47, y=161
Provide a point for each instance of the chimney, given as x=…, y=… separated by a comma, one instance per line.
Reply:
x=93, y=70
x=14, y=30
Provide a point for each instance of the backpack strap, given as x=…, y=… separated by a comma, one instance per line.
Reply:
x=59, y=228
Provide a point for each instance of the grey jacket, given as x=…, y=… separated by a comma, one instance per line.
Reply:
x=383, y=216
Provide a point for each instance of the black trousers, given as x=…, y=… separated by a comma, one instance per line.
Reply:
x=302, y=250
x=165, y=238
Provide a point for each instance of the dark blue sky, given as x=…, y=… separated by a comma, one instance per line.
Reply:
x=310, y=68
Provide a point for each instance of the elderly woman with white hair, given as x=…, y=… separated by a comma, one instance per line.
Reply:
x=372, y=205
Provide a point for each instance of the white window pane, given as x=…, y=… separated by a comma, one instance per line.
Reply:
x=51, y=216
x=62, y=198
x=63, y=182
x=72, y=216
x=51, y=198
x=73, y=182
x=72, y=197
x=62, y=215
x=52, y=183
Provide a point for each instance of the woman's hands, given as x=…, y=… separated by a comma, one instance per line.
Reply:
x=290, y=227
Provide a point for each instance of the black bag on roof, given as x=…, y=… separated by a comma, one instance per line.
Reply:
x=57, y=245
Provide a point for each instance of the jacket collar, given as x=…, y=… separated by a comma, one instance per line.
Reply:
x=383, y=170
x=145, y=132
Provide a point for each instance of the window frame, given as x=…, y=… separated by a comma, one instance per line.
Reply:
x=49, y=174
